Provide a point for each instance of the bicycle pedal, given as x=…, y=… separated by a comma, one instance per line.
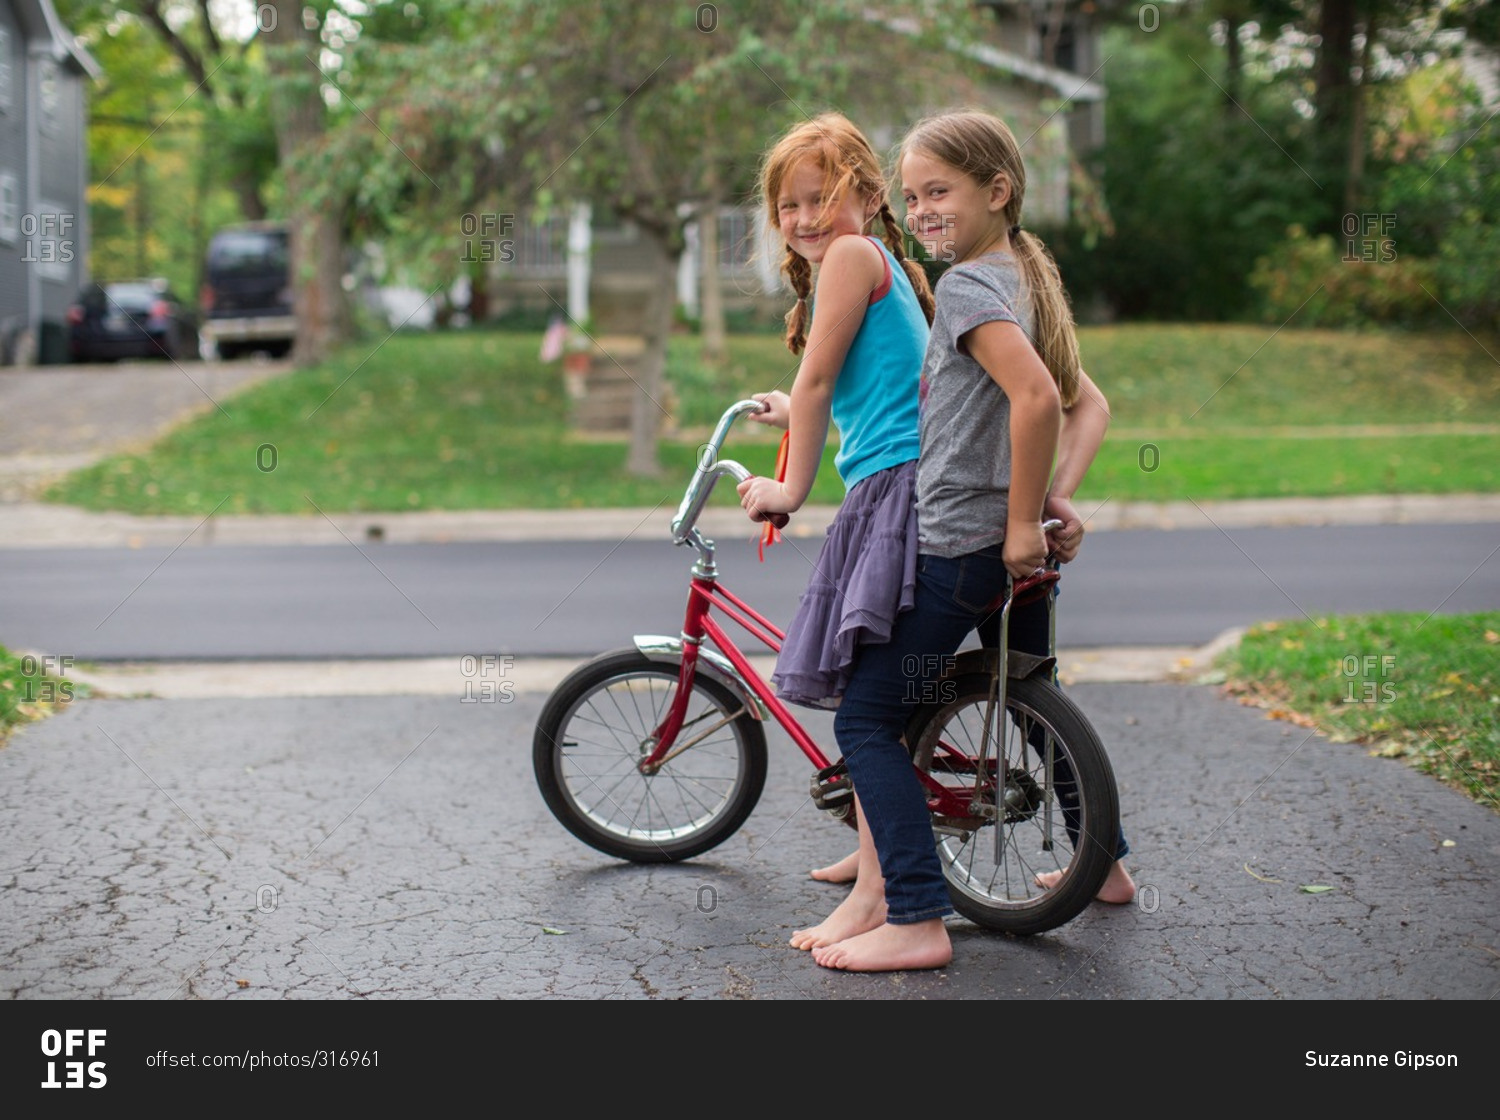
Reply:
x=831, y=789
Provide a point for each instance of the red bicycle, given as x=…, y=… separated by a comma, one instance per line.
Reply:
x=657, y=752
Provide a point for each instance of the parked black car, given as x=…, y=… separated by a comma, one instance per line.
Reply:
x=131, y=319
x=247, y=295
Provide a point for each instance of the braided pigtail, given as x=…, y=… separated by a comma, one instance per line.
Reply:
x=799, y=273
x=895, y=240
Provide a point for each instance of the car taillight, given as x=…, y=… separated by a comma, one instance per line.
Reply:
x=75, y=315
x=160, y=310
x=206, y=297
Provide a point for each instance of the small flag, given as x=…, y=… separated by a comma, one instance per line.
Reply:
x=553, y=340
x=769, y=534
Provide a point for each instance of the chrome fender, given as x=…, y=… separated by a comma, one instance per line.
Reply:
x=715, y=666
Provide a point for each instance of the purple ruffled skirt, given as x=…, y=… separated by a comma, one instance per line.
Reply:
x=865, y=575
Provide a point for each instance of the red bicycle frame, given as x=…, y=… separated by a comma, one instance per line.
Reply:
x=705, y=594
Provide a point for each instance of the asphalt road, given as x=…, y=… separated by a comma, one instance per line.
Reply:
x=395, y=848
x=561, y=598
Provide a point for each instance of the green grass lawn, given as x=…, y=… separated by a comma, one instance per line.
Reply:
x=31, y=688
x=1425, y=689
x=473, y=420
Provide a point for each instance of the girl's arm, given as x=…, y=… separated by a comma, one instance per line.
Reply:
x=851, y=269
x=1007, y=355
x=1083, y=428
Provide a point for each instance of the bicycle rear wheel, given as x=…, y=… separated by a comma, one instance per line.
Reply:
x=597, y=726
x=1043, y=800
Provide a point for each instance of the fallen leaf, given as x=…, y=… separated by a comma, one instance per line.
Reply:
x=1491, y=636
x=549, y=929
x=243, y=983
x=1315, y=888
x=1450, y=843
x=1262, y=878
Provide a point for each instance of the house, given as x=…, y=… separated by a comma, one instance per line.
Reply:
x=1042, y=63
x=44, y=230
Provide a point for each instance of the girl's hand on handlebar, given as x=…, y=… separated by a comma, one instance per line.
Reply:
x=1024, y=551
x=778, y=410
x=765, y=499
x=1065, y=542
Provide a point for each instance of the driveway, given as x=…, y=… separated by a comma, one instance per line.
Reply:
x=54, y=419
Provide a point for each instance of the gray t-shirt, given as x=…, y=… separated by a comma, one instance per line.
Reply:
x=963, y=475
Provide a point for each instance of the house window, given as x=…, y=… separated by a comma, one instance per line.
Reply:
x=6, y=70
x=10, y=208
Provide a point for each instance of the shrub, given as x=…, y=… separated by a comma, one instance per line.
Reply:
x=1320, y=283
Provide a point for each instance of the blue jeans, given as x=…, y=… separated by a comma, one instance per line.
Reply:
x=953, y=597
x=888, y=681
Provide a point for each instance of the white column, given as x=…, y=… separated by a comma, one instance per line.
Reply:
x=768, y=253
x=689, y=270
x=580, y=243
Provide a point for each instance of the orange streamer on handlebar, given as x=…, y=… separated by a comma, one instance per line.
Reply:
x=769, y=534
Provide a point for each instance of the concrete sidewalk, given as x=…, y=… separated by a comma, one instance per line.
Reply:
x=39, y=525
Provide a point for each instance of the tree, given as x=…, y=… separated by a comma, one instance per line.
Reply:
x=314, y=213
x=651, y=115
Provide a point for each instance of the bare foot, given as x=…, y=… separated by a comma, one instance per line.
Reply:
x=1118, y=888
x=843, y=871
x=861, y=911
x=889, y=948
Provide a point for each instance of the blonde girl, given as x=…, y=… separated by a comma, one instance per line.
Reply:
x=1003, y=398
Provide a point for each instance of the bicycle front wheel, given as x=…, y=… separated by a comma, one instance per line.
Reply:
x=599, y=724
x=1040, y=796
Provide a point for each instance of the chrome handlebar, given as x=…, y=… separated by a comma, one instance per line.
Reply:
x=710, y=468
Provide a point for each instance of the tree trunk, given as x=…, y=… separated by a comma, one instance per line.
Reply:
x=1334, y=84
x=317, y=241
x=247, y=190
x=649, y=408
x=1358, y=122
x=713, y=340
x=1234, y=65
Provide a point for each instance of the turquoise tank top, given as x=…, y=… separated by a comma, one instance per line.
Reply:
x=875, y=400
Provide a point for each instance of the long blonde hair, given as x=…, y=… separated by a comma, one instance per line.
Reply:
x=847, y=162
x=982, y=146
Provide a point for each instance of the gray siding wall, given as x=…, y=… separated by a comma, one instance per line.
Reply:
x=58, y=207
x=13, y=172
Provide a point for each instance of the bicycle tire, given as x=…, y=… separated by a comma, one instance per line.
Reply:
x=595, y=727
x=993, y=884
